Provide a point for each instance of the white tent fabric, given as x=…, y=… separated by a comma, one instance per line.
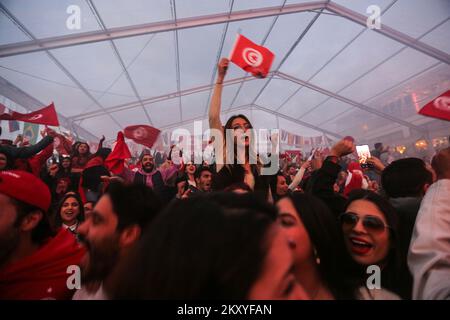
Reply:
x=154, y=62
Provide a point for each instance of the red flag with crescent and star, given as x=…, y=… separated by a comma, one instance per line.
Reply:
x=142, y=134
x=438, y=108
x=251, y=57
x=46, y=115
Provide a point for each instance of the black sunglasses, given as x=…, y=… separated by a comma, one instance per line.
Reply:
x=371, y=223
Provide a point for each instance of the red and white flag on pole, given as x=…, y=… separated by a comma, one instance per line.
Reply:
x=142, y=134
x=438, y=108
x=251, y=57
x=45, y=116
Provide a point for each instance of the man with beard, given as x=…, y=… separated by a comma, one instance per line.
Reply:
x=33, y=264
x=114, y=226
x=148, y=175
x=203, y=180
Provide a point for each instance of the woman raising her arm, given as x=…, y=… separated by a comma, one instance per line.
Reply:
x=244, y=166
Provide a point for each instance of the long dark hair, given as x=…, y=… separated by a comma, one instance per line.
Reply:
x=273, y=182
x=249, y=150
x=60, y=165
x=395, y=275
x=324, y=232
x=206, y=247
x=57, y=221
x=76, y=153
x=77, y=158
x=9, y=162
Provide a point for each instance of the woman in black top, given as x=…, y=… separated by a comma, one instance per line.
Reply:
x=245, y=165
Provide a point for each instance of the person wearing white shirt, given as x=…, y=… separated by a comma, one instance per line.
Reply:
x=429, y=252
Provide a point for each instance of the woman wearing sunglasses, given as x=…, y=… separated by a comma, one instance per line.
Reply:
x=370, y=228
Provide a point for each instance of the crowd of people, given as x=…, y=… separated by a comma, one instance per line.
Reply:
x=321, y=228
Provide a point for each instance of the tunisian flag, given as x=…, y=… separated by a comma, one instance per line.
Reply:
x=142, y=134
x=438, y=108
x=116, y=159
x=252, y=58
x=45, y=116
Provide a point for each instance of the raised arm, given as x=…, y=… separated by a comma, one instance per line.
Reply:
x=38, y=160
x=216, y=100
x=322, y=181
x=299, y=176
x=27, y=152
x=100, y=143
x=214, y=110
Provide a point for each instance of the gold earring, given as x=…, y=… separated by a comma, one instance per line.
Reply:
x=316, y=256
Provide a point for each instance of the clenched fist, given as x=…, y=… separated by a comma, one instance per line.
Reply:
x=342, y=148
x=222, y=68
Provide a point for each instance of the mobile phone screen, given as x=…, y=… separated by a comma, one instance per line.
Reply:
x=363, y=154
x=312, y=155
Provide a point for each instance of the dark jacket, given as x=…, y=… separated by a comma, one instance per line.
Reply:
x=321, y=183
x=234, y=174
x=12, y=153
x=52, y=181
x=407, y=209
x=92, y=177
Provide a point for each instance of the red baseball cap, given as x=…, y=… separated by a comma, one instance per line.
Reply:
x=25, y=187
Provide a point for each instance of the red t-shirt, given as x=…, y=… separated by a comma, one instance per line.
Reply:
x=43, y=275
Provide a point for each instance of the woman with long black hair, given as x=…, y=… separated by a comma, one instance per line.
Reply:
x=245, y=166
x=371, y=234
x=69, y=213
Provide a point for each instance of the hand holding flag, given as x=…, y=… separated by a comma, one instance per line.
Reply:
x=222, y=68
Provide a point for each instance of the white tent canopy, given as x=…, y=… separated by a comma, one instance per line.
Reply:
x=154, y=62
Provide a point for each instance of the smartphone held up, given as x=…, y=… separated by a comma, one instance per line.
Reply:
x=363, y=155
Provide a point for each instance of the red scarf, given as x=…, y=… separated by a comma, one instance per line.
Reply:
x=43, y=275
x=115, y=162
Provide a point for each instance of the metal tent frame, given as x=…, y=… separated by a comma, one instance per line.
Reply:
x=176, y=24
